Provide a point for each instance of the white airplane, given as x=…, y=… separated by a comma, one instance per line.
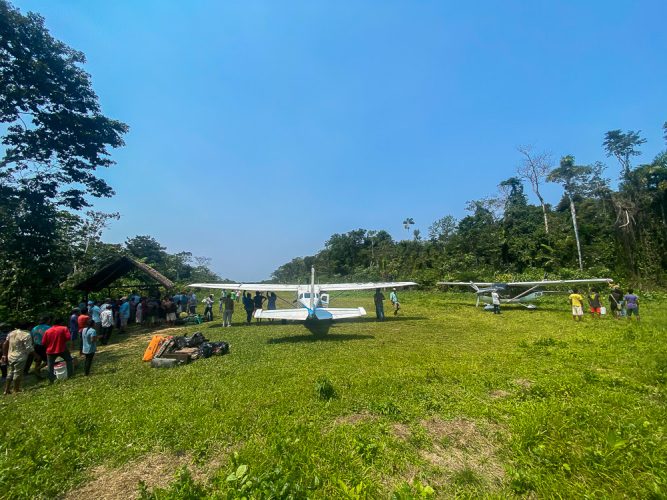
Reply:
x=314, y=308
x=518, y=292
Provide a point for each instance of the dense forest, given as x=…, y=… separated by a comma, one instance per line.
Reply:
x=594, y=230
x=55, y=140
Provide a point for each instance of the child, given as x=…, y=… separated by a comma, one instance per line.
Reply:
x=496, y=302
x=595, y=303
x=576, y=301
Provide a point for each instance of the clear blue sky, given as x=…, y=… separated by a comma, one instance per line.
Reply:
x=258, y=129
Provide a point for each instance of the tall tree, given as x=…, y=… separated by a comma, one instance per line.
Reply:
x=573, y=178
x=409, y=221
x=623, y=146
x=535, y=168
x=55, y=139
x=56, y=135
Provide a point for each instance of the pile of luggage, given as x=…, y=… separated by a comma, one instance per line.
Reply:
x=167, y=351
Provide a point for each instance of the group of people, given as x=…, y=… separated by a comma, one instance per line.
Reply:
x=379, y=299
x=620, y=304
x=89, y=324
x=44, y=345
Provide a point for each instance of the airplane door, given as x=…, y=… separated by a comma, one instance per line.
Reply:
x=324, y=299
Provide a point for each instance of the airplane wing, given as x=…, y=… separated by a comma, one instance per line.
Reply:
x=249, y=287
x=560, y=282
x=300, y=314
x=342, y=287
x=526, y=284
x=465, y=283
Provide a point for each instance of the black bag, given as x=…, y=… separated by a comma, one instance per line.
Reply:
x=196, y=340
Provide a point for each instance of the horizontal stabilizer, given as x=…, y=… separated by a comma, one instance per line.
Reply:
x=300, y=314
x=339, y=312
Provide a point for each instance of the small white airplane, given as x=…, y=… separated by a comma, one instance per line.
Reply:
x=314, y=308
x=518, y=292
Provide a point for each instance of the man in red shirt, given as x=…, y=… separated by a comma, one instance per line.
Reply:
x=83, y=323
x=55, y=342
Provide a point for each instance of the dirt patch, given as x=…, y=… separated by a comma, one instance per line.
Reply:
x=401, y=431
x=461, y=448
x=498, y=394
x=524, y=383
x=354, y=418
x=156, y=470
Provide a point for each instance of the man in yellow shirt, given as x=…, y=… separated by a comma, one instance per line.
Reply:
x=577, y=302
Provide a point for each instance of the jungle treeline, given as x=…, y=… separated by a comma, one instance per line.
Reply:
x=593, y=231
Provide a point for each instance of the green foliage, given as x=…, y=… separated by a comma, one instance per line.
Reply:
x=324, y=389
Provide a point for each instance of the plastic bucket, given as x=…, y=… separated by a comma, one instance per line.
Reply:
x=60, y=370
x=603, y=310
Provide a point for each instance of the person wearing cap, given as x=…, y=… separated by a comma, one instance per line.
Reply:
x=394, y=300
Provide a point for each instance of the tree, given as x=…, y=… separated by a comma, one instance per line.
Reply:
x=56, y=136
x=534, y=168
x=572, y=177
x=623, y=146
x=442, y=229
x=409, y=221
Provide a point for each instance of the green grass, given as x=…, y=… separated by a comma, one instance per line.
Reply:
x=445, y=400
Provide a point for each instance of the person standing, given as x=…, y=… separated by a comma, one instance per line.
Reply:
x=15, y=352
x=82, y=321
x=89, y=341
x=495, y=300
x=208, y=307
x=229, y=311
x=595, y=303
x=74, y=324
x=192, y=303
x=55, y=341
x=378, y=298
x=249, y=306
x=577, y=303
x=258, y=302
x=221, y=301
x=170, y=307
x=106, y=318
x=95, y=315
x=394, y=301
x=37, y=334
x=631, y=304
x=616, y=301
x=124, y=313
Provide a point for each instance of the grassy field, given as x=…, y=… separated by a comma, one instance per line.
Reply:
x=444, y=400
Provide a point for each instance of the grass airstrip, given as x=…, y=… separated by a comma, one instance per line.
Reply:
x=444, y=400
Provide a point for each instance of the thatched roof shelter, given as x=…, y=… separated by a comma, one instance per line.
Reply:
x=117, y=269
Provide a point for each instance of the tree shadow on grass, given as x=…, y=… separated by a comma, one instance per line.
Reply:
x=330, y=337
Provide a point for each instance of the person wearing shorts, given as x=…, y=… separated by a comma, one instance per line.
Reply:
x=576, y=301
x=594, y=303
x=631, y=304
x=15, y=351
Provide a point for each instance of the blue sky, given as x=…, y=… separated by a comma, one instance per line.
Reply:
x=258, y=129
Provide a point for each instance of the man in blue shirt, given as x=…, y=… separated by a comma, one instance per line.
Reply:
x=124, y=313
